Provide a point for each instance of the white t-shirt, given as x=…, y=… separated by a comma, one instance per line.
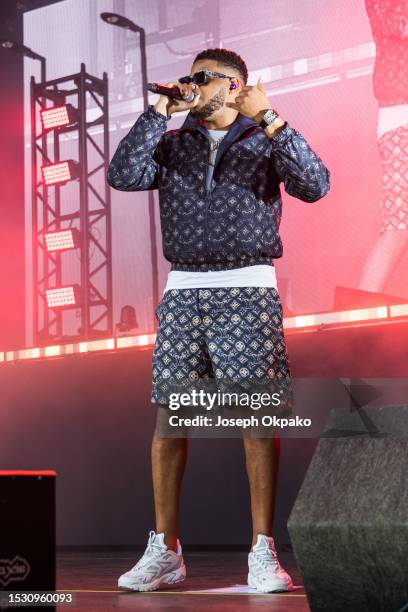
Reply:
x=215, y=135
x=248, y=276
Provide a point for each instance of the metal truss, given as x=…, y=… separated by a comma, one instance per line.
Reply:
x=94, y=273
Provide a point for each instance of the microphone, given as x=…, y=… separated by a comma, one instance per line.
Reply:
x=170, y=92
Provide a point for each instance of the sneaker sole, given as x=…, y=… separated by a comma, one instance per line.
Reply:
x=171, y=578
x=279, y=588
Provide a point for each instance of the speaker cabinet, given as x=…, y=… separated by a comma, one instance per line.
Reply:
x=349, y=524
x=27, y=542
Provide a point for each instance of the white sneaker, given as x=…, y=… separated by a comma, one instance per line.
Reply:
x=158, y=567
x=266, y=574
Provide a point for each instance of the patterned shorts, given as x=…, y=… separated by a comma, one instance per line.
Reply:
x=393, y=148
x=225, y=338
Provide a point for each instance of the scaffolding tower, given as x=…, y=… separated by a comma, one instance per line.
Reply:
x=92, y=221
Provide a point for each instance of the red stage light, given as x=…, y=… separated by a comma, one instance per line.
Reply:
x=59, y=173
x=62, y=240
x=58, y=116
x=63, y=297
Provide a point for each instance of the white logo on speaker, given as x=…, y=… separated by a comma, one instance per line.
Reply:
x=13, y=570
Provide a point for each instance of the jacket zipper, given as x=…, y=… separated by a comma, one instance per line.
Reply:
x=207, y=202
x=206, y=237
x=208, y=194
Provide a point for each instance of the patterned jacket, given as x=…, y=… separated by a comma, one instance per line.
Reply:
x=236, y=222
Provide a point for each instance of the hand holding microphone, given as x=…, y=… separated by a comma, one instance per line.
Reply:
x=168, y=105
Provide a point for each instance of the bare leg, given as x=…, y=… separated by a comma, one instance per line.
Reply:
x=169, y=456
x=383, y=259
x=262, y=463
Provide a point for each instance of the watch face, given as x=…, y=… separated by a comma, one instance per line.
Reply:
x=270, y=116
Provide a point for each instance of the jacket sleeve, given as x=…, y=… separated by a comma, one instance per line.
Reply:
x=301, y=170
x=390, y=17
x=134, y=166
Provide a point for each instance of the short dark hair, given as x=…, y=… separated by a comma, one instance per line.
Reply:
x=226, y=58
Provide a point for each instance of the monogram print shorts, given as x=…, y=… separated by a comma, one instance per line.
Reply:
x=219, y=338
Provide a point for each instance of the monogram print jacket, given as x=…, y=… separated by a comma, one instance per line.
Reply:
x=236, y=222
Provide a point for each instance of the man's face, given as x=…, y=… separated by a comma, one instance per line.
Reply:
x=215, y=92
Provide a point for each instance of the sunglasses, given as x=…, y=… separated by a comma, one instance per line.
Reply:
x=203, y=76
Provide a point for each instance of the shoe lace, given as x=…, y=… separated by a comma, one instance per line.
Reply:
x=267, y=557
x=152, y=549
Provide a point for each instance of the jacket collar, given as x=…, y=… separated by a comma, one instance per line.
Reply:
x=239, y=126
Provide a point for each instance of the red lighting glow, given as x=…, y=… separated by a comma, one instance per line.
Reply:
x=59, y=173
x=62, y=297
x=61, y=240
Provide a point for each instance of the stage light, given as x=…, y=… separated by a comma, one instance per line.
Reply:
x=63, y=297
x=13, y=45
x=17, y=47
x=62, y=240
x=60, y=173
x=119, y=20
x=58, y=116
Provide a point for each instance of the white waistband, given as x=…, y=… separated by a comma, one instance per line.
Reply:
x=249, y=276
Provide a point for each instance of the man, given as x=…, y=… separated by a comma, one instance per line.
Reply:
x=220, y=316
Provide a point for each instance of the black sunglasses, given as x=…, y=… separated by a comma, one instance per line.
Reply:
x=203, y=76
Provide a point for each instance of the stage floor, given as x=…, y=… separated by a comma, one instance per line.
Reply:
x=93, y=578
